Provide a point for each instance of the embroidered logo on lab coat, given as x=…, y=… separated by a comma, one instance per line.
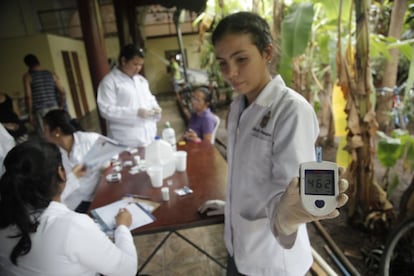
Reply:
x=265, y=120
x=260, y=131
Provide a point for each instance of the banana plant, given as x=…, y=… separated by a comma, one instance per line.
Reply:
x=399, y=147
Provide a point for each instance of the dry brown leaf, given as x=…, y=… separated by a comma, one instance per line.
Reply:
x=356, y=141
x=353, y=121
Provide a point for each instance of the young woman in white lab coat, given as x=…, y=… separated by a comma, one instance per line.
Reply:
x=271, y=130
x=74, y=144
x=40, y=236
x=126, y=102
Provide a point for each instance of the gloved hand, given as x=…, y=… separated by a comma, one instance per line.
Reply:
x=145, y=113
x=290, y=213
x=157, y=110
x=213, y=207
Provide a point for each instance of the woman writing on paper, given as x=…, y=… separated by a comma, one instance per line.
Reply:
x=61, y=130
x=40, y=236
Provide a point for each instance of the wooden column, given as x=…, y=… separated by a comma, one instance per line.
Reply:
x=92, y=32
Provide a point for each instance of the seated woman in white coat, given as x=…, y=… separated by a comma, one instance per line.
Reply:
x=125, y=101
x=40, y=236
x=74, y=144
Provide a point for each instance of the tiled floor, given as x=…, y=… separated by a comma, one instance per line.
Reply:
x=175, y=256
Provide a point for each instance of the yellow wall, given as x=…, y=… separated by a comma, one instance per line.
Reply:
x=57, y=44
x=13, y=67
x=48, y=49
x=155, y=62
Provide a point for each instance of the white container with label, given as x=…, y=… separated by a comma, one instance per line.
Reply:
x=159, y=152
x=168, y=134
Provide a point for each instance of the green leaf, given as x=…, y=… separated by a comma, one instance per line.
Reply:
x=332, y=8
x=323, y=42
x=404, y=46
x=389, y=150
x=296, y=29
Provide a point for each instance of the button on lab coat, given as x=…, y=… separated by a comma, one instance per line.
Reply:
x=266, y=143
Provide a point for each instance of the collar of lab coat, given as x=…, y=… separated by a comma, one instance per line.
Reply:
x=272, y=91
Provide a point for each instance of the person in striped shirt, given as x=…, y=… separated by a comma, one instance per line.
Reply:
x=43, y=91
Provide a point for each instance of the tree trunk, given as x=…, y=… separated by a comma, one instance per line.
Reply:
x=384, y=102
x=327, y=108
x=356, y=82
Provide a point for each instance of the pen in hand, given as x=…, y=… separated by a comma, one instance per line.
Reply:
x=137, y=196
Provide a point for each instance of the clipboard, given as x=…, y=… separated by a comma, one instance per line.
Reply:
x=105, y=215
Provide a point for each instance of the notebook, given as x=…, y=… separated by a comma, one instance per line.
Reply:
x=105, y=215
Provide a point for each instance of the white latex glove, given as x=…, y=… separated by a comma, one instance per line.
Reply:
x=145, y=113
x=213, y=207
x=157, y=110
x=289, y=213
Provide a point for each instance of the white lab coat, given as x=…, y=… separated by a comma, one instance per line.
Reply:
x=7, y=143
x=67, y=243
x=83, y=188
x=266, y=143
x=119, y=98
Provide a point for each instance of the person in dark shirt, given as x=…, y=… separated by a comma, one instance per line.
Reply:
x=43, y=91
x=10, y=120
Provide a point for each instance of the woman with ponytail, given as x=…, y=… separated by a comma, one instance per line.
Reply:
x=40, y=236
x=65, y=132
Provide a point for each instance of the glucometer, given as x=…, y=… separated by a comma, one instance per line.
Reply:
x=319, y=186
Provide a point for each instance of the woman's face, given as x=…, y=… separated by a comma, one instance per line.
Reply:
x=242, y=65
x=198, y=101
x=49, y=135
x=133, y=66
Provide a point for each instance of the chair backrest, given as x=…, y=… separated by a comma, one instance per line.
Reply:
x=213, y=135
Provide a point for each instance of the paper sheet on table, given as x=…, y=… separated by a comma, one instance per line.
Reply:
x=102, y=150
x=106, y=214
x=148, y=205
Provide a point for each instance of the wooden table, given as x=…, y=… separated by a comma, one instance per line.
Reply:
x=206, y=175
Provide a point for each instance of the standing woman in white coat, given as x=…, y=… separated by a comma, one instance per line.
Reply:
x=74, y=144
x=126, y=102
x=271, y=130
x=40, y=236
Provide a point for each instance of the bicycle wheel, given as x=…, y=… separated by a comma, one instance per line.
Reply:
x=398, y=256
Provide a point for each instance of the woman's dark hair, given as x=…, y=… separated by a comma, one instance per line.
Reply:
x=244, y=23
x=27, y=187
x=60, y=118
x=31, y=60
x=129, y=52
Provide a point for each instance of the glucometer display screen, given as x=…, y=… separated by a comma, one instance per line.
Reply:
x=319, y=182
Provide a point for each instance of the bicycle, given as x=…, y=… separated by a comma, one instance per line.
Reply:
x=184, y=95
x=399, y=118
x=398, y=254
